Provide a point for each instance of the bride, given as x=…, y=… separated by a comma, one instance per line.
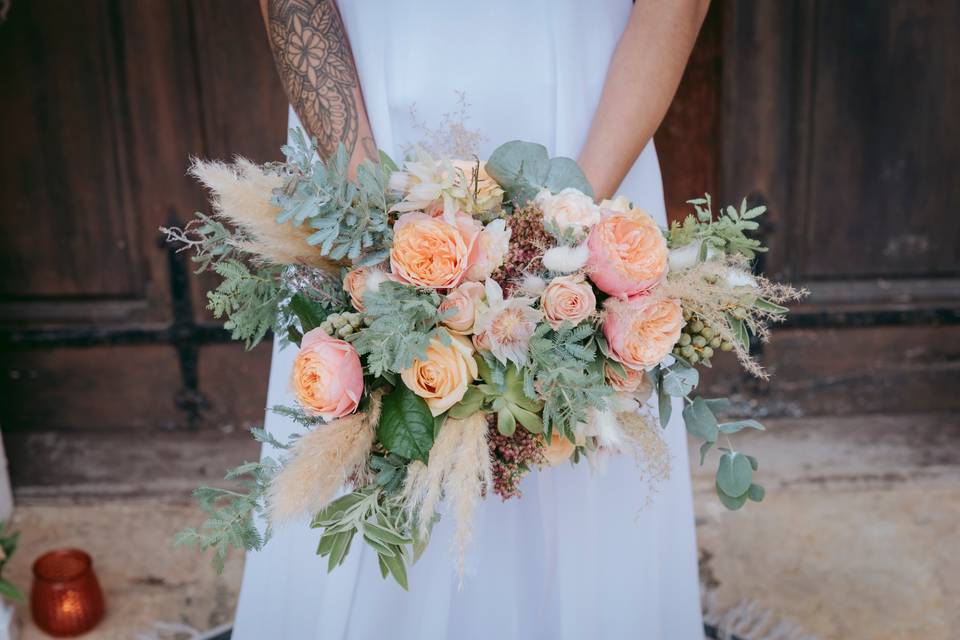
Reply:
x=589, y=80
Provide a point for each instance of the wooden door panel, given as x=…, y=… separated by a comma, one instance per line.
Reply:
x=885, y=140
x=67, y=228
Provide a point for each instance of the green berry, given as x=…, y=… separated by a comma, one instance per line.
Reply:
x=716, y=341
x=726, y=346
x=707, y=353
x=696, y=327
x=684, y=339
x=707, y=332
x=687, y=352
x=694, y=358
x=344, y=331
x=699, y=342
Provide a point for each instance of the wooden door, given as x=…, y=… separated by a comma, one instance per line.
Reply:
x=841, y=116
x=109, y=359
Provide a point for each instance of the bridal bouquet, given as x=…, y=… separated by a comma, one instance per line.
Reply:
x=461, y=324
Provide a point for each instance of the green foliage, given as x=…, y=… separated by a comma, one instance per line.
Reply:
x=230, y=514
x=210, y=240
x=567, y=371
x=734, y=480
x=296, y=414
x=502, y=392
x=406, y=424
x=402, y=321
x=381, y=523
x=351, y=218
x=8, y=544
x=249, y=300
x=522, y=169
x=727, y=233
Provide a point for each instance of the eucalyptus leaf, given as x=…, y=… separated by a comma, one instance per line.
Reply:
x=397, y=568
x=700, y=420
x=756, y=492
x=704, y=449
x=754, y=463
x=739, y=425
x=730, y=502
x=739, y=329
x=665, y=403
x=522, y=169
x=735, y=474
x=679, y=379
x=769, y=307
x=406, y=424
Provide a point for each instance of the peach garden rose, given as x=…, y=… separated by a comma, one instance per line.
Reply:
x=432, y=252
x=442, y=378
x=641, y=331
x=464, y=304
x=628, y=253
x=567, y=298
x=327, y=376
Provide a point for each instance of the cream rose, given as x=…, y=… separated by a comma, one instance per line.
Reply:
x=567, y=298
x=442, y=378
x=464, y=303
x=327, y=376
x=486, y=193
x=569, y=209
x=628, y=253
x=620, y=204
x=641, y=331
x=432, y=252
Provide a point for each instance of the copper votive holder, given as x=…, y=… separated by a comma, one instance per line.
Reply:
x=66, y=599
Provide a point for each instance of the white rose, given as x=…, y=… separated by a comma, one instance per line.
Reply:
x=569, y=209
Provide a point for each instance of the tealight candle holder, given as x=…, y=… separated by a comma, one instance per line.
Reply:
x=66, y=599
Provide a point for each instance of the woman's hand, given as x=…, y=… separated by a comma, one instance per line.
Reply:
x=641, y=81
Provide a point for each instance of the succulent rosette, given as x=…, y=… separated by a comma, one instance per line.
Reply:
x=460, y=323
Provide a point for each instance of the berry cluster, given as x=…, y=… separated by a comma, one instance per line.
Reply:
x=341, y=325
x=698, y=341
x=513, y=457
x=528, y=241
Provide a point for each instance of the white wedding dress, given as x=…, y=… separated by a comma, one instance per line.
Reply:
x=582, y=555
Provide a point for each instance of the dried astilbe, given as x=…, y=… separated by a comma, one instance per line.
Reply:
x=241, y=195
x=321, y=462
x=460, y=470
x=648, y=447
x=452, y=138
x=712, y=289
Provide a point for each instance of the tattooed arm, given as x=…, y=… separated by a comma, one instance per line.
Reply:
x=316, y=66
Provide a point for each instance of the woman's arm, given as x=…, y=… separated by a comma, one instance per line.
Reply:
x=643, y=76
x=316, y=66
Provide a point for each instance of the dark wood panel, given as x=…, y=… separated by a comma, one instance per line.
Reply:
x=47, y=466
x=233, y=382
x=67, y=227
x=885, y=140
x=688, y=140
x=849, y=371
x=242, y=103
x=82, y=388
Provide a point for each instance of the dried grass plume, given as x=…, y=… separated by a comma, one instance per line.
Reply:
x=240, y=195
x=321, y=462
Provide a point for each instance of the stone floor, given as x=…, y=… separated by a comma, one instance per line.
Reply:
x=858, y=538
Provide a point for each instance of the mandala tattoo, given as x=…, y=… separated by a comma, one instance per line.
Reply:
x=316, y=66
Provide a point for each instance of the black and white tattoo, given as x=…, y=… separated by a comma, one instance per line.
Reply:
x=313, y=56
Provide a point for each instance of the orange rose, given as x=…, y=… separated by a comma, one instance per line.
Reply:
x=442, y=378
x=558, y=450
x=327, y=376
x=628, y=253
x=355, y=284
x=432, y=252
x=635, y=382
x=642, y=330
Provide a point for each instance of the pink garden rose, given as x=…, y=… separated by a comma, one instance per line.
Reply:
x=642, y=330
x=628, y=253
x=327, y=376
x=465, y=303
x=567, y=298
x=432, y=252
